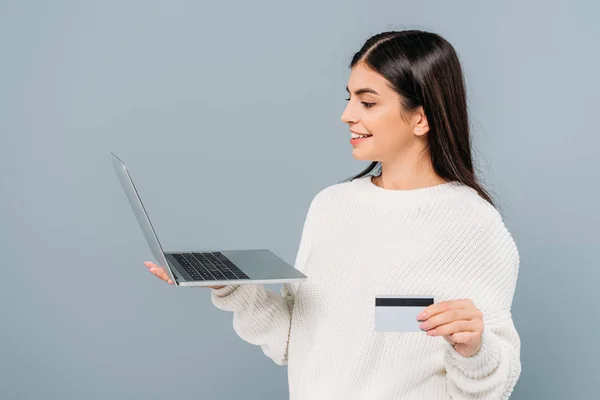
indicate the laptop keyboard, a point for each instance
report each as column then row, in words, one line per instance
column 209, row 266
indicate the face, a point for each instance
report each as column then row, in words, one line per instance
column 374, row 109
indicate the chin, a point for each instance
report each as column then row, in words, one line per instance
column 362, row 155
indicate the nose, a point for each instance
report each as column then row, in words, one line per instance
column 347, row 116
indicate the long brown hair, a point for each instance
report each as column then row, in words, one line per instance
column 424, row 69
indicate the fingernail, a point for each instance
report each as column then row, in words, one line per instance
column 431, row 332
column 421, row 316
column 423, row 325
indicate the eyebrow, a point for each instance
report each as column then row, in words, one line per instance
column 363, row 90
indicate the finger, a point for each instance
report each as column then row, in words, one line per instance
column 451, row 315
column 442, row 306
column 163, row 275
column 158, row 272
column 452, row 328
column 151, row 265
column 449, row 339
column 463, row 337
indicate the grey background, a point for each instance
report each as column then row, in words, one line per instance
column 228, row 117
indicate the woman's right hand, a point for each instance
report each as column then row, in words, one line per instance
column 160, row 273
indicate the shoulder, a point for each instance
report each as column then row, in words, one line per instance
column 476, row 209
column 327, row 198
column 484, row 226
column 328, row 194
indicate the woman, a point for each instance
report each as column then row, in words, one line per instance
column 422, row 226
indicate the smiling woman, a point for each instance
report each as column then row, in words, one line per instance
column 407, row 91
column 422, row 227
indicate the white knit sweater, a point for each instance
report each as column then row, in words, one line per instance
column 360, row 240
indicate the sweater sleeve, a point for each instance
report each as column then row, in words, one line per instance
column 492, row 373
column 263, row 317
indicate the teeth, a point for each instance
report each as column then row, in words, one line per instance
column 355, row 136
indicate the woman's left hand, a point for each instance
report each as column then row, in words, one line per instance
column 458, row 321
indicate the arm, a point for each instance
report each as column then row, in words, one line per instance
column 493, row 371
column 263, row 317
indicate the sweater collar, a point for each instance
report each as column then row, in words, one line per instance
column 409, row 196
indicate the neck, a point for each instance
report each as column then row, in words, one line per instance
column 406, row 173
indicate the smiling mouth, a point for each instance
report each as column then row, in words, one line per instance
column 357, row 136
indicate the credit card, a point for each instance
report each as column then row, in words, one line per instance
column 395, row 313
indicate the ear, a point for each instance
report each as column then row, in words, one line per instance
column 420, row 124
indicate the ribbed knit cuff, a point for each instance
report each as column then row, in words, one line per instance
column 483, row 363
column 224, row 291
column 238, row 297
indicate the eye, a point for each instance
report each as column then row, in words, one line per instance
column 365, row 104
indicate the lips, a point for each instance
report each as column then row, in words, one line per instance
column 356, row 135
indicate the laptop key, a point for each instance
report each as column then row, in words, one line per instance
column 207, row 276
column 226, row 263
column 235, row 269
column 188, row 267
column 196, row 272
column 216, row 265
column 212, row 264
column 203, row 261
column 200, row 266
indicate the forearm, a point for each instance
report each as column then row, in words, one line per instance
column 491, row 373
column 263, row 317
column 260, row 316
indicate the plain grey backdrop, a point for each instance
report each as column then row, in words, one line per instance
column 228, row 116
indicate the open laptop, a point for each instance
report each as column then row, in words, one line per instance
column 207, row 267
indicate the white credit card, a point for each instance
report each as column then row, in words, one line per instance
column 395, row 313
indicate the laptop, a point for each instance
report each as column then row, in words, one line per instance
column 206, row 267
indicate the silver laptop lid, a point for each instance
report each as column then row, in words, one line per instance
column 140, row 213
